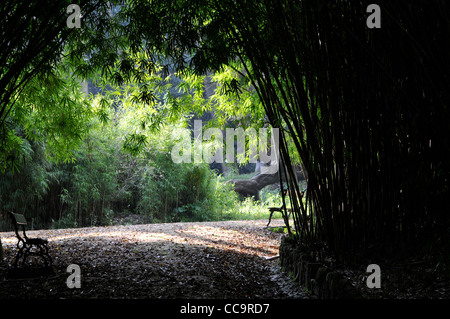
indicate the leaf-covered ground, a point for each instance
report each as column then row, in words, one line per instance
column 179, row 260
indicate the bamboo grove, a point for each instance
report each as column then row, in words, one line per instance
column 367, row 112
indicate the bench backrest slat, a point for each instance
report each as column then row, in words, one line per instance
column 20, row 219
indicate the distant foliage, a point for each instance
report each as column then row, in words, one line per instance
column 106, row 179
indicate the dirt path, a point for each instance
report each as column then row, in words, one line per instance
column 179, row 260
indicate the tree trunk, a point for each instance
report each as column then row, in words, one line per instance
column 251, row 187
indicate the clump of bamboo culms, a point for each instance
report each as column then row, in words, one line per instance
column 366, row 109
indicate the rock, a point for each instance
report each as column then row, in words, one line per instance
column 322, row 281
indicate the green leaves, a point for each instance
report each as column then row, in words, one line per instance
column 135, row 143
column 144, row 95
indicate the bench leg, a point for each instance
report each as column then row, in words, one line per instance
column 25, row 251
column 18, row 256
column 270, row 218
column 45, row 255
column 22, row 255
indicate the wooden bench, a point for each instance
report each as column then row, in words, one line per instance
column 282, row 210
column 25, row 245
